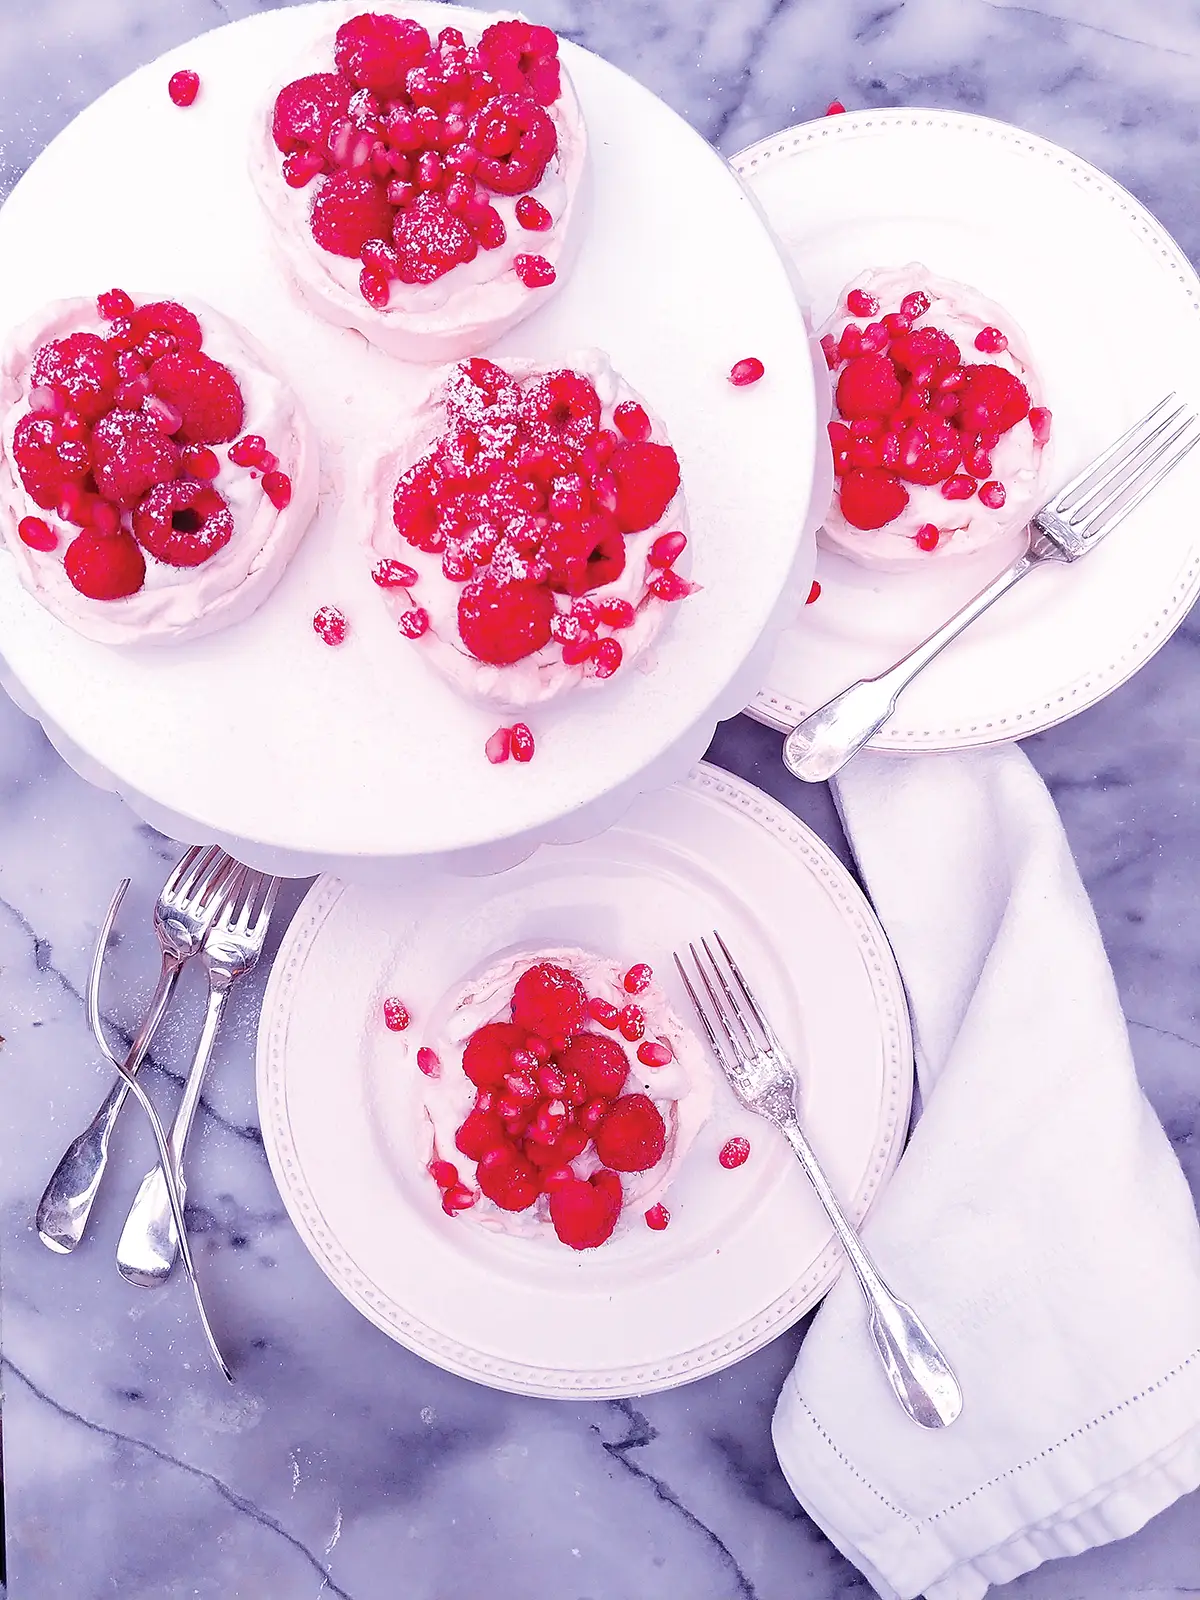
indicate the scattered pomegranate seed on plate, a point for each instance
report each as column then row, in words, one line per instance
column 395, row 1014
column 638, row 978
column 277, row 487
column 658, row 1217
column 814, row 593
column 38, row 535
column 734, row 1152
column 522, row 745
column 861, row 304
column 532, row 214
column 330, row 626
column 928, row 536
column 499, row 746
column 443, row 1173
column 655, row 1053
column 429, row 1062
column 414, row 623
column 991, row 341
column 184, row 87
column 535, row 272
column 747, row 371
column 835, row 108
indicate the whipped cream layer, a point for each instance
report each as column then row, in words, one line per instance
column 467, row 308
column 682, row 1090
column 174, row 602
column 1019, row 462
column 544, row 674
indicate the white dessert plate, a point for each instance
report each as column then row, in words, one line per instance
column 1112, row 310
column 300, row 757
column 747, row 1251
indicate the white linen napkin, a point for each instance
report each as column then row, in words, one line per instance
column 1038, row 1221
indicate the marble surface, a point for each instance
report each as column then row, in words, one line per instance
column 340, row 1465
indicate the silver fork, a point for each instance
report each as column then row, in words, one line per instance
column 190, row 899
column 764, row 1080
column 149, row 1240
column 1082, row 514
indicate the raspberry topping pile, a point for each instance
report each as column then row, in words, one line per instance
column 912, row 408
column 549, row 1090
column 116, row 444
column 411, row 137
column 529, row 500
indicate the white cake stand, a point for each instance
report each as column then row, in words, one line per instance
column 357, row 760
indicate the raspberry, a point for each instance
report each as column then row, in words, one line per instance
column 105, row 566
column 502, row 623
column 633, row 1135
column 734, row 1152
column 205, row 393
column 599, row 1061
column 183, row 87
column 532, row 214
column 585, row 1211
column 561, row 405
column 868, row 387
column 480, row 1132
column 516, row 141
column 549, row 1001
column 183, row 524
column 377, row 52
column 522, row 58
column 647, row 480
column 395, row 1014
column 871, row 498
column 166, row 316
column 584, row 554
column 535, row 272
column 509, row 1179
column 131, row 455
column 991, row 400
column 307, row 109
column 82, row 368
column 47, row 459
column 487, row 1059
column 925, row 353
column 430, row 239
column 114, row 303
column 929, row 450
column 348, row 209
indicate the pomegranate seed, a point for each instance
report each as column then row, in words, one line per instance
column 606, row 658
column 593, row 1113
column 616, row 613
column 874, row 338
column 166, row 417
column 401, row 193
column 603, row 1012
column 277, row 487
column 747, row 371
column 522, row 742
column 183, row 87
column 977, row 461
column 458, row 1198
column 556, row 1178
column 734, row 1152
column 946, row 404
column 105, row 518
column 532, row 214
column 114, row 303
column 413, row 623
column 655, row 1053
column 374, row 288
column 914, row 305
column 329, row 624
column 389, row 574
column 576, row 651
column 850, row 344
column 670, row 586
column 927, row 536
column 814, row 593
column 991, row 341
column 666, row 549
column 428, row 1062
column 395, row 1014
column 1039, row 421
column 631, row 422
column 300, row 167
column 861, row 304
column 632, row 1023
column 248, row 451
column 574, row 1089
column 638, row 978
column 550, row 1081
column 38, row 535
column 535, row 272
column 897, row 323
column 443, row 1173
column 829, row 346
column 958, row 488
column 201, row 462
column 835, row 108
column 498, row 747
column 992, row 495
column 657, row 1217
column 521, row 1086
column 380, row 256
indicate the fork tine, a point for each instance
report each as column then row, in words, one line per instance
column 718, row 1048
column 247, row 894
column 751, row 1041
column 220, row 878
column 1145, row 486
column 1065, row 500
column 1132, row 476
column 719, row 1010
column 759, row 1015
column 259, row 928
column 179, row 885
column 1101, row 474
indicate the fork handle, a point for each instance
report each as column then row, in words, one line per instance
column 917, row 1370
column 823, row 743
column 64, row 1208
column 149, row 1243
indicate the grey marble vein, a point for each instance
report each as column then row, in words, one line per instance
column 341, row 1465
